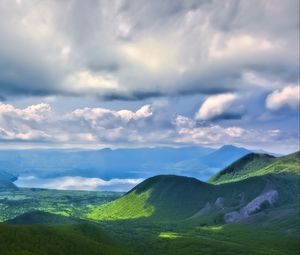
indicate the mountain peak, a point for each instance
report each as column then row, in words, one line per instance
column 163, row 181
column 256, row 164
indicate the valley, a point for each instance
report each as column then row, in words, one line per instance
column 250, row 207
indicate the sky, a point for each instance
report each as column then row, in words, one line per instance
column 94, row 74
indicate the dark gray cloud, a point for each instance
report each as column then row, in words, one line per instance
column 133, row 50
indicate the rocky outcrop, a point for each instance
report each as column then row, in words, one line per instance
column 254, row 206
column 205, row 210
column 220, row 203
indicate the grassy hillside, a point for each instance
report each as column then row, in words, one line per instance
column 132, row 206
column 40, row 217
column 170, row 198
column 285, row 164
column 60, row 240
column 161, row 197
column 257, row 165
column 182, row 238
column 146, row 238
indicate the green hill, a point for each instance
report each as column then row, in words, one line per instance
column 251, row 184
column 172, row 198
column 40, row 217
column 162, row 196
column 43, row 239
column 255, row 164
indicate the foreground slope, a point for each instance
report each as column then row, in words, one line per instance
column 43, row 239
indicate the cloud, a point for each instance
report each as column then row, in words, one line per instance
column 150, row 125
column 140, row 49
column 77, row 183
column 289, row 97
column 218, row 107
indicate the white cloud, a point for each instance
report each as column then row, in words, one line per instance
column 77, row 183
column 150, row 125
column 289, row 96
column 242, row 45
column 215, row 106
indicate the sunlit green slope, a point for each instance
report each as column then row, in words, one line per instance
column 162, row 197
column 169, row 197
column 257, row 165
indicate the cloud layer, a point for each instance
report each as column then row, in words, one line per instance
column 239, row 58
column 78, row 183
column 138, row 49
column 151, row 125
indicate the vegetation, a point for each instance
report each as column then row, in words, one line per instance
column 58, row 239
column 161, row 197
column 166, row 214
column 127, row 207
column 172, row 198
column 40, row 217
column 181, row 238
column 62, row 202
column 257, row 165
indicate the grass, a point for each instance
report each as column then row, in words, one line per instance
column 254, row 164
column 61, row 202
column 169, row 235
column 60, row 240
column 181, row 238
column 155, row 216
column 131, row 206
column 173, row 198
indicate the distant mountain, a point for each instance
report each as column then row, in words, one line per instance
column 224, row 156
column 107, row 164
column 6, row 181
column 255, row 164
column 169, row 197
column 7, row 185
column 5, row 176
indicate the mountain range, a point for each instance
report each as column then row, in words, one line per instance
column 200, row 162
column 249, row 186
